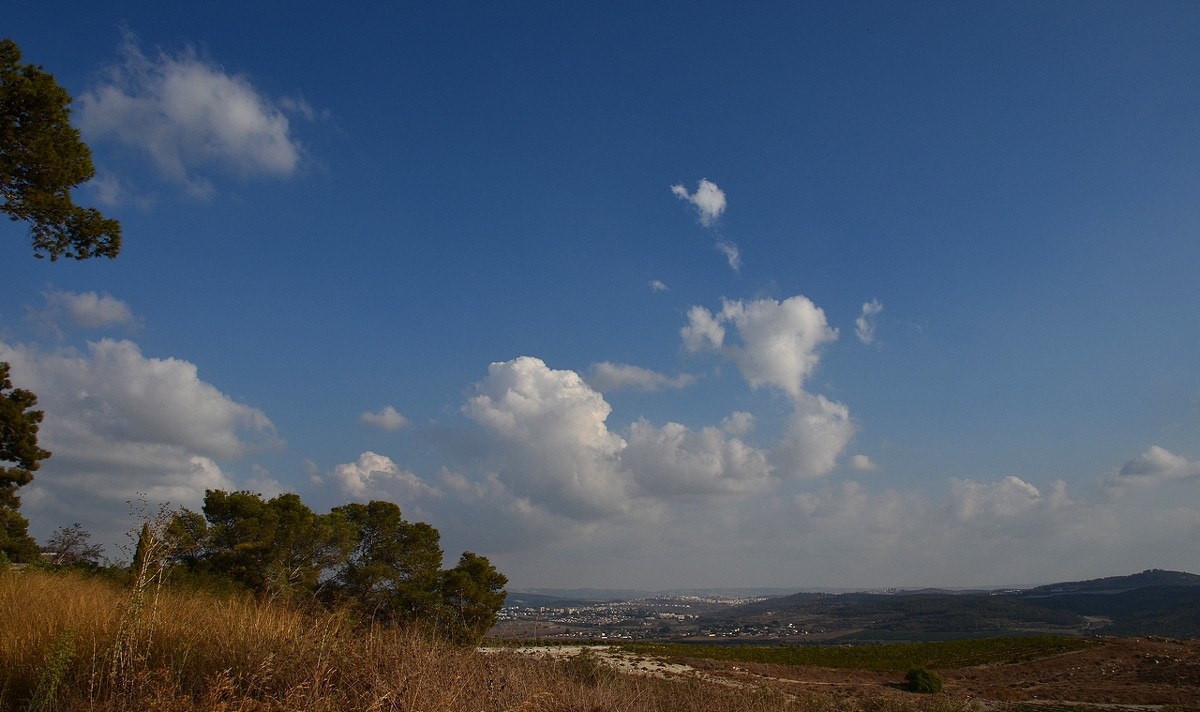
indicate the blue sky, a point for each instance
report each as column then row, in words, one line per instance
column 622, row 295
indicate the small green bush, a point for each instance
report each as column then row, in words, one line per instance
column 922, row 679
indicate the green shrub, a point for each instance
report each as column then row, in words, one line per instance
column 922, row 679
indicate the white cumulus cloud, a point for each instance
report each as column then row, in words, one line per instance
column 709, row 200
column 550, row 441
column 703, row 330
column 817, row 432
column 556, row 484
column 187, row 113
column 113, row 393
column 674, row 460
column 739, row 423
column 376, row 476
column 120, row 423
column 779, row 347
column 386, row 418
column 780, row 340
column 549, row 447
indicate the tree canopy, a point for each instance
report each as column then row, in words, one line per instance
column 72, row 546
column 278, row 548
column 365, row 558
column 42, row 157
column 394, row 571
column 20, row 457
column 472, row 592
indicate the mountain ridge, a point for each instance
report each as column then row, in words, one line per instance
column 628, row 594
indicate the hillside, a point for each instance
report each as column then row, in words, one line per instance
column 1153, row 602
column 925, row 612
column 1149, row 603
column 1150, row 578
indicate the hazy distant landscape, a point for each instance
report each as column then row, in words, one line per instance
column 1114, row 643
column 1153, row 602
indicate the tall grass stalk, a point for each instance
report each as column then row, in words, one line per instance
column 139, row 618
column 61, row 655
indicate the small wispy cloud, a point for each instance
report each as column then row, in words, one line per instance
column 866, row 323
column 657, row 285
column 186, row 113
column 91, row 310
column 607, row 376
column 88, row 310
column 107, row 189
column 386, row 418
column 862, row 463
column 1006, row 499
column 1154, row 467
column 709, row 200
column 733, row 255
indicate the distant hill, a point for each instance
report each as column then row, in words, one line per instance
column 907, row 613
column 567, row 596
column 561, row 596
column 1149, row 578
column 1153, row 602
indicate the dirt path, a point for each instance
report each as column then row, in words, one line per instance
column 620, row 660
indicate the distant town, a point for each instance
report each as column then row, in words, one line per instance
column 657, row 617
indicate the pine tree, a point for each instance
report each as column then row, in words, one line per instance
column 18, row 445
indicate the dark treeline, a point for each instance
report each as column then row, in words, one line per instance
column 365, row 558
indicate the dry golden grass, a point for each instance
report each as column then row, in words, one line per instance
column 71, row 643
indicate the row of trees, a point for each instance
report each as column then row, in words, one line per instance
column 365, row 557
